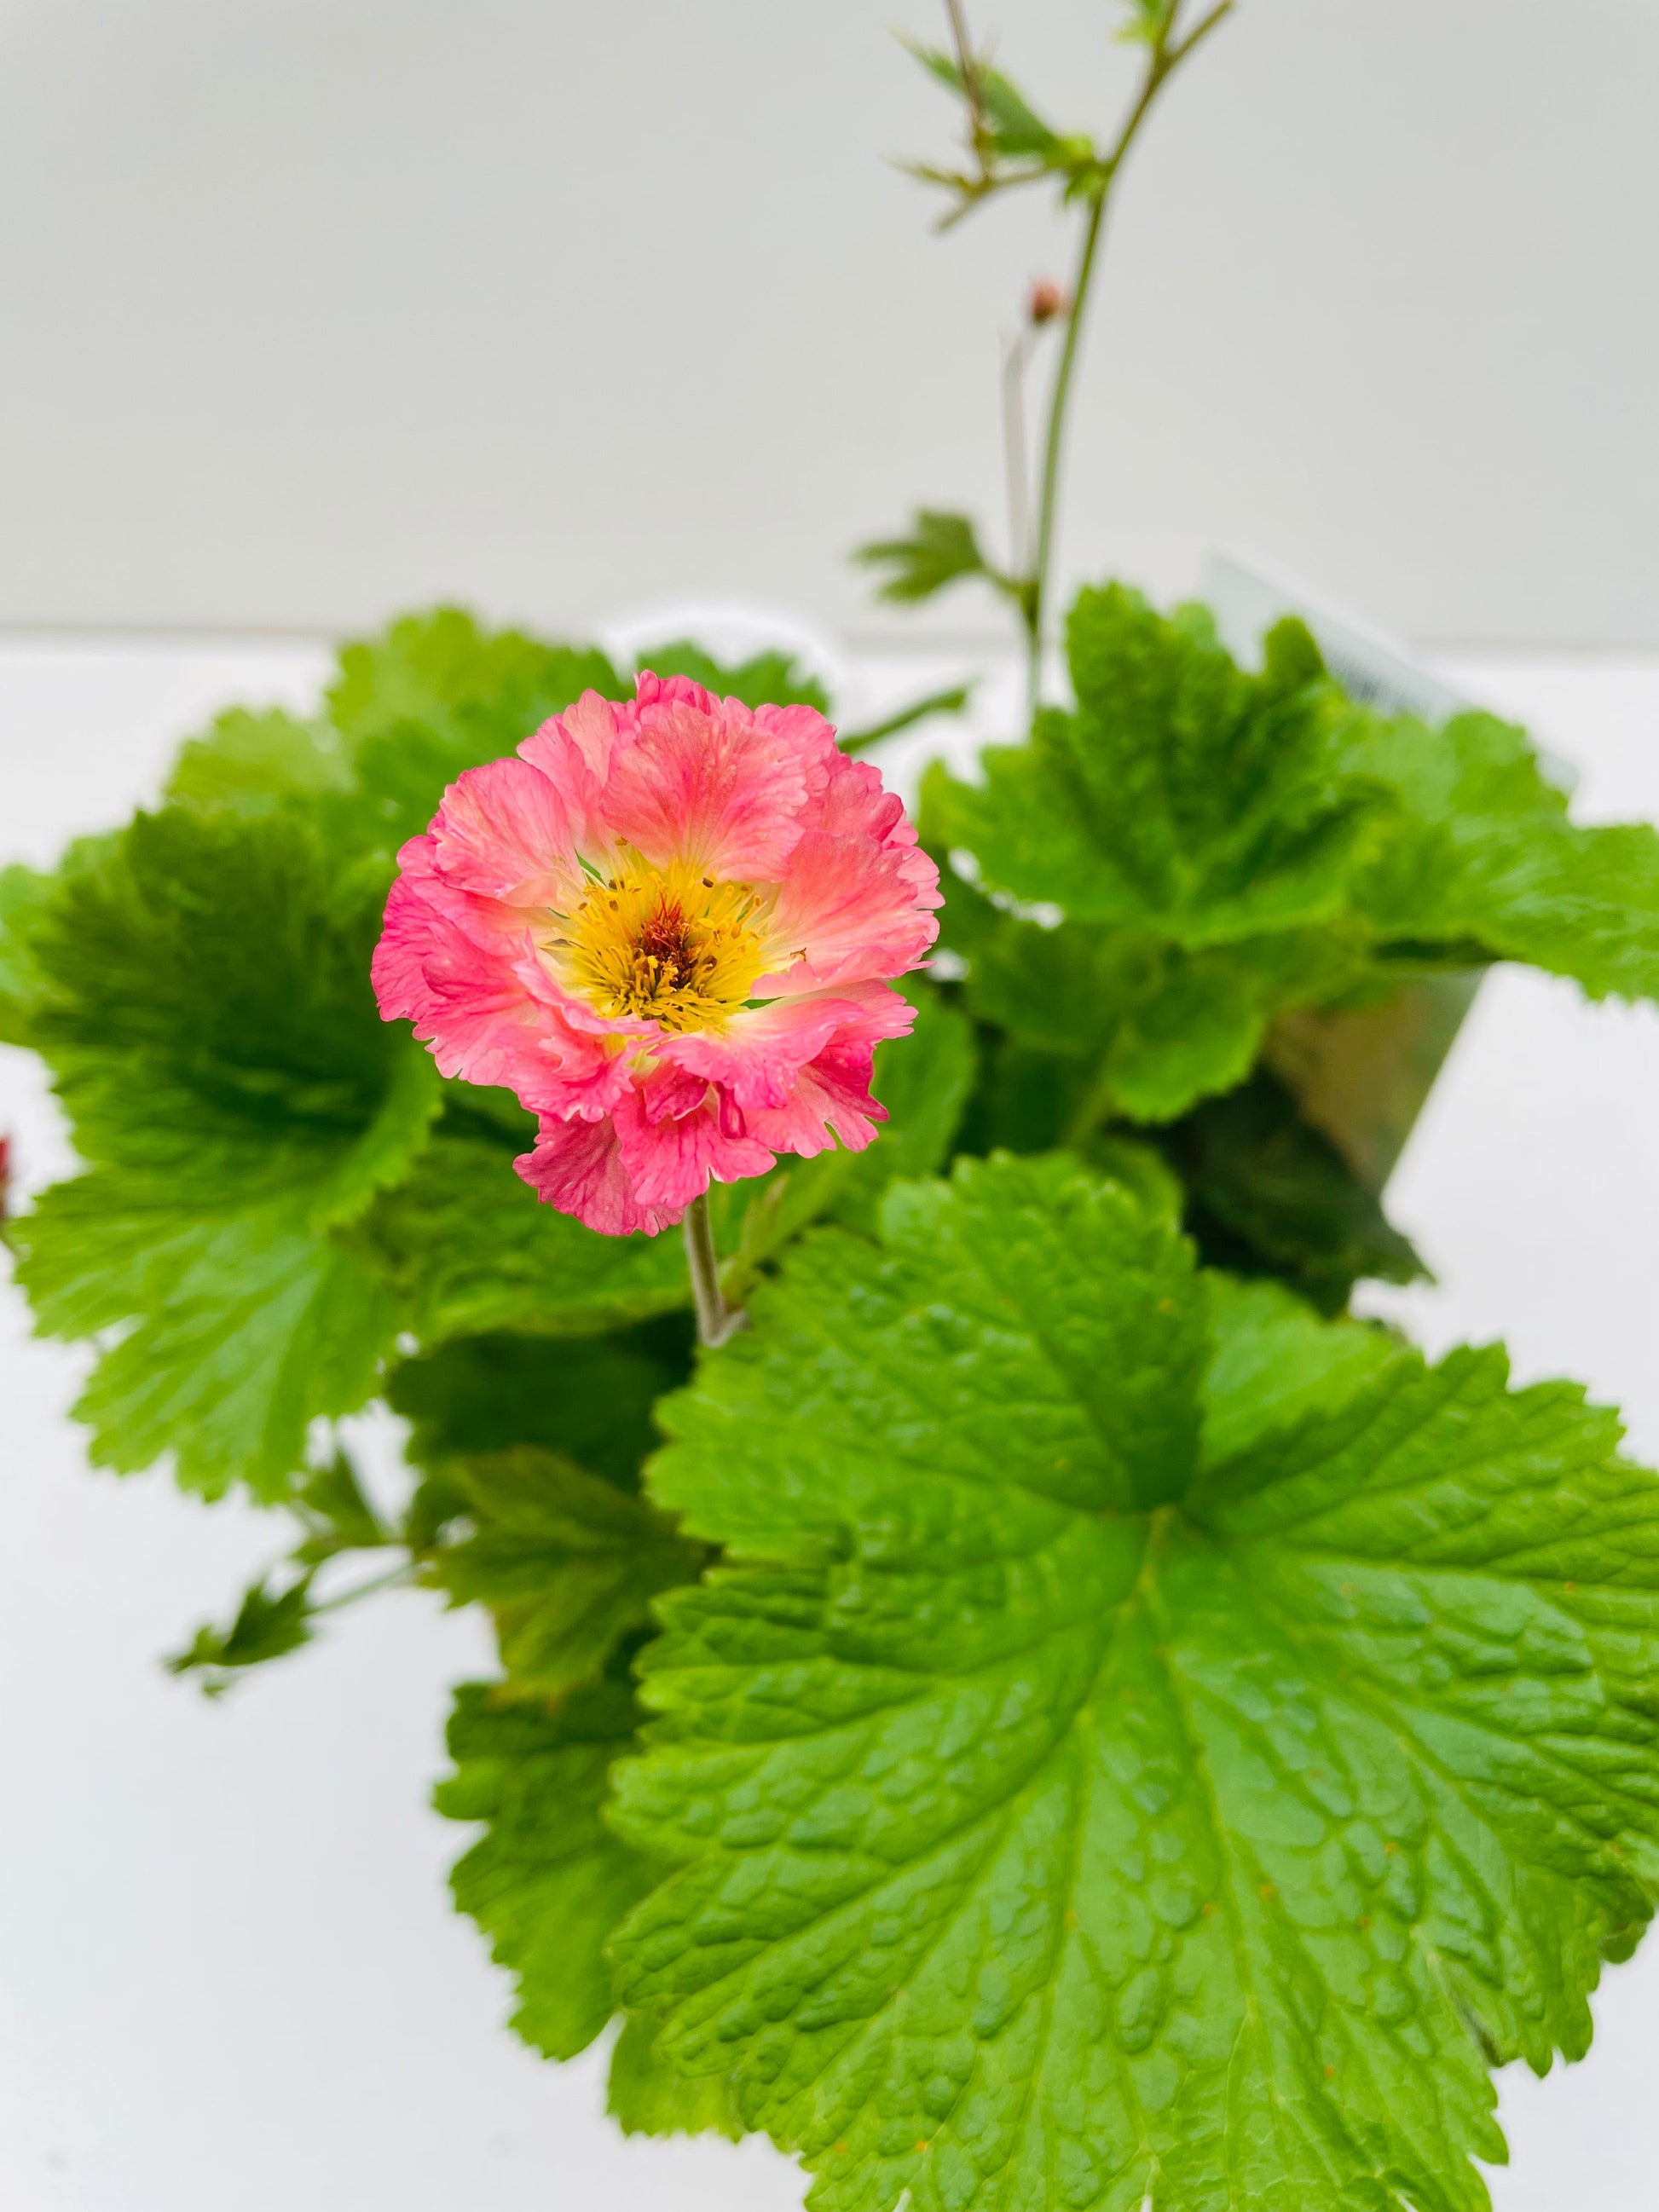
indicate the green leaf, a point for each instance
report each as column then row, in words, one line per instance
column 335, row 1514
column 940, row 551
column 436, row 695
column 1274, row 1363
column 1269, row 1194
column 773, row 678
column 203, row 999
column 1155, row 876
column 467, row 1244
column 566, row 1563
column 646, row 2097
column 1036, row 1848
column 1148, row 20
column 256, row 760
column 590, row 1397
column 23, row 894
column 1184, row 798
column 1014, row 128
column 269, row 1625
column 548, row 1881
column 242, row 1327
column 1485, row 857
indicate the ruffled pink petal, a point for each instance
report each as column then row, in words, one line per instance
column 573, row 750
column 672, row 1161
column 506, row 831
column 832, row 1094
column 705, row 780
column 469, row 998
column 758, row 1058
column 578, row 1166
column 847, row 912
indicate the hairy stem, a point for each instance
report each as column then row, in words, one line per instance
column 716, row 1321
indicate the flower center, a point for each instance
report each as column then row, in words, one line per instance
column 666, row 945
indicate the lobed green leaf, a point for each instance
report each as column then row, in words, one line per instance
column 1095, row 1780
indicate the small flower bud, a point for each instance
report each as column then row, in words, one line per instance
column 1047, row 302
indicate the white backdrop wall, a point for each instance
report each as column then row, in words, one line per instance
column 314, row 308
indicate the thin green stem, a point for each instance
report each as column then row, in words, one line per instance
column 389, row 1581
column 1165, row 57
column 1037, row 604
column 716, row 1321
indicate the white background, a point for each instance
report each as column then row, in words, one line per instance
column 229, row 1979
column 313, row 307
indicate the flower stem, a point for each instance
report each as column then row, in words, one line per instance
column 716, row 1321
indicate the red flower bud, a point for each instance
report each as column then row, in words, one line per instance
column 1047, row 302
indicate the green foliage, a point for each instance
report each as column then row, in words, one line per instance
column 1148, row 22
column 202, row 995
column 1485, row 858
column 1009, row 141
column 548, row 1881
column 1102, row 1701
column 1014, row 127
column 646, row 2097
column 1133, row 1709
column 590, row 1397
column 438, row 695
column 1267, row 1195
column 335, row 1515
column 258, row 762
column 566, row 1563
column 1193, row 850
column 940, row 549
column 467, row 1244
column 23, row 895
column 269, row 1624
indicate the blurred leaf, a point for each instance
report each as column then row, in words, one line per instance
column 589, row 1396
column 774, row 679
column 435, row 695
column 1013, row 128
column 941, row 549
column 464, row 1242
column 566, row 1563
column 1148, row 20
column 1485, row 857
column 267, row 1625
column 1269, row 1195
column 255, row 761
column 646, row 2097
column 335, row 1514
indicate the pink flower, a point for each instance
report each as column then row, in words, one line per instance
column 668, row 926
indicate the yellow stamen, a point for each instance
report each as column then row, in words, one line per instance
column 669, row 945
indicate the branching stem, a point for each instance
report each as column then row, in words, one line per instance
column 1166, row 56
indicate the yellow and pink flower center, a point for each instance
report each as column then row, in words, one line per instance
column 666, row 945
